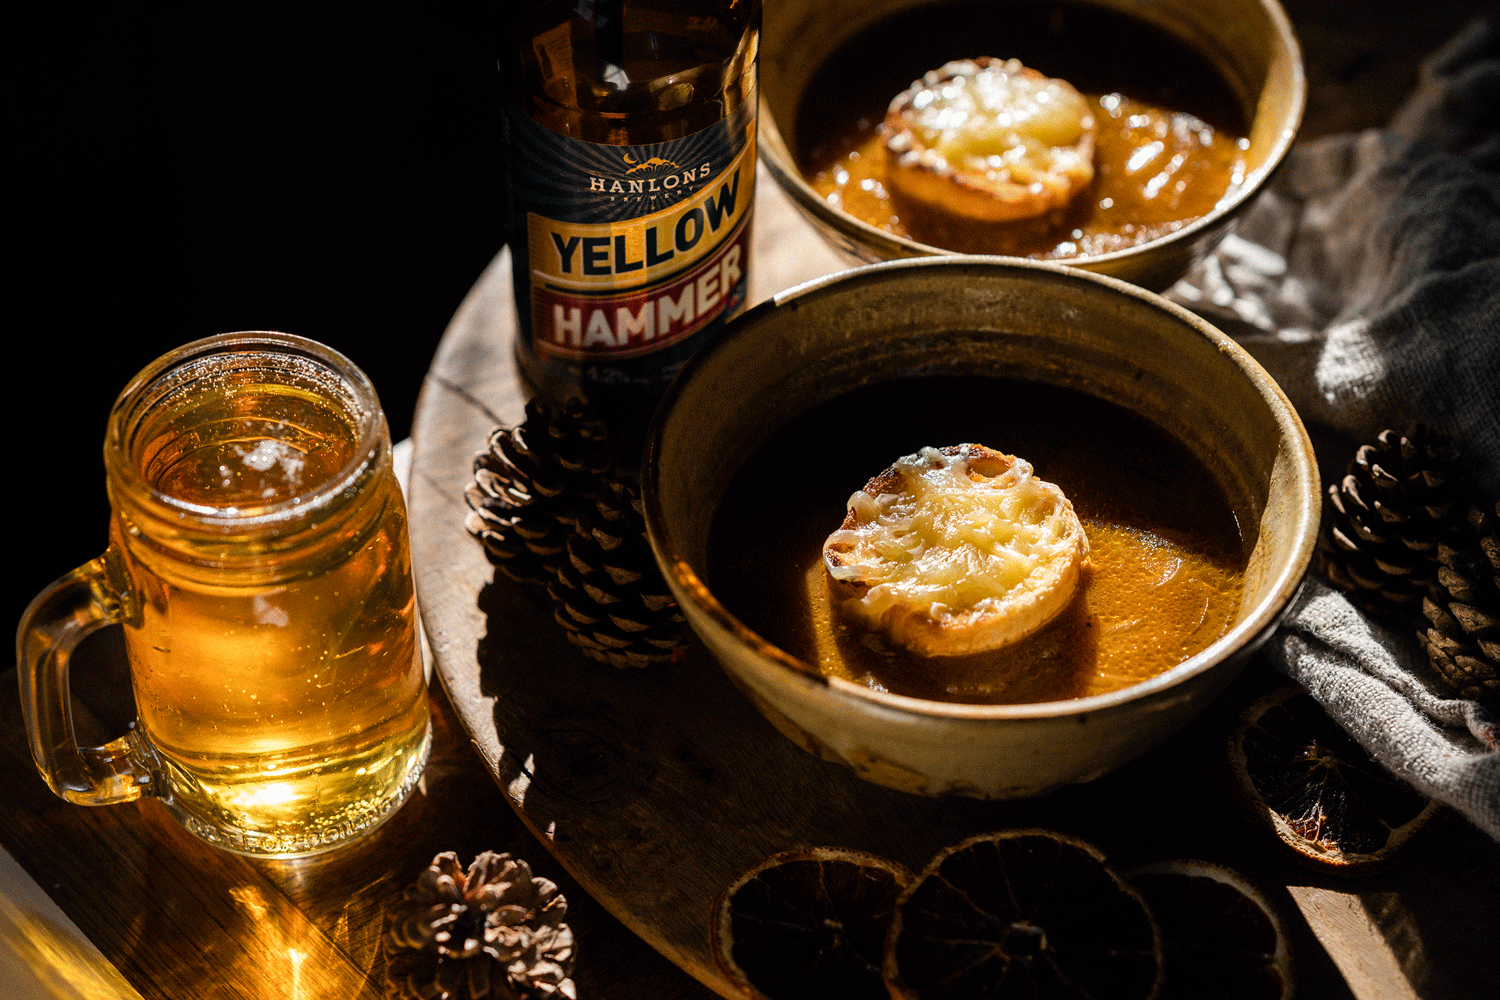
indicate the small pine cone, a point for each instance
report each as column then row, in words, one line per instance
column 1402, row 497
column 531, row 485
column 610, row 596
column 1463, row 607
column 496, row 931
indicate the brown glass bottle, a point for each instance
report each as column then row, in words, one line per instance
column 630, row 150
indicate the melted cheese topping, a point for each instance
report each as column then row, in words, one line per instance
column 1001, row 122
column 953, row 542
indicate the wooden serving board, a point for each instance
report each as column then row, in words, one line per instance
column 655, row 788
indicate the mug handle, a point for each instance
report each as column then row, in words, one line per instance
column 56, row 621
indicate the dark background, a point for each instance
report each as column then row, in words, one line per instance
column 327, row 169
column 331, row 169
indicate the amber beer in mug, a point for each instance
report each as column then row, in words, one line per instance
column 258, row 560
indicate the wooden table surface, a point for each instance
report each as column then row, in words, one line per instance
column 179, row 919
column 655, row 788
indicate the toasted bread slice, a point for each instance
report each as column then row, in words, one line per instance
column 988, row 140
column 956, row 550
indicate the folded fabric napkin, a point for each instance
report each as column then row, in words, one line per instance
column 1366, row 280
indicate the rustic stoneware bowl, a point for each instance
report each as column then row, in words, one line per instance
column 964, row 315
column 1250, row 42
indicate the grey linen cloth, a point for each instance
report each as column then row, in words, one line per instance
column 1366, row 280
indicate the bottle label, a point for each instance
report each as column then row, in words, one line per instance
column 632, row 249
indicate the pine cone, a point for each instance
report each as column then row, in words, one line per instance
column 1403, row 497
column 548, row 510
column 530, row 487
column 610, row 596
column 1463, row 606
column 496, row 932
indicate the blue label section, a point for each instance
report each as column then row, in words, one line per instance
column 585, row 182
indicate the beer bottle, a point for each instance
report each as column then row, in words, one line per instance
column 630, row 149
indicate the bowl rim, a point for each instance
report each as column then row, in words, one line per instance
column 783, row 169
column 689, row 588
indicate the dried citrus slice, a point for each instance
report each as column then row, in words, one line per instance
column 808, row 924
column 1022, row 914
column 1299, row 773
column 1221, row 937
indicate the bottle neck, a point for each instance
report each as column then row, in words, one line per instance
column 630, row 72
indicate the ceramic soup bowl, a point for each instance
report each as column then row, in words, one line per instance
column 956, row 315
column 1248, row 45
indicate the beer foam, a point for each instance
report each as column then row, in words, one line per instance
column 268, row 454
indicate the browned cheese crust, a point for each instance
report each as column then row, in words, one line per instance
column 1047, row 592
column 920, row 173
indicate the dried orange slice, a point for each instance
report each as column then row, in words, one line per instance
column 808, row 924
column 1022, row 914
column 1221, row 937
column 1317, row 789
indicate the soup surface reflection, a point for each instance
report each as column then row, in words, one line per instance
column 1167, row 555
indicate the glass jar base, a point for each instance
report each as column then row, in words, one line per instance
column 287, row 846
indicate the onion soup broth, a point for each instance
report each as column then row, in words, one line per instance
column 1167, row 554
column 1170, row 139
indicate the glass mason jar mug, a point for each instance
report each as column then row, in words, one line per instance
column 259, row 562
